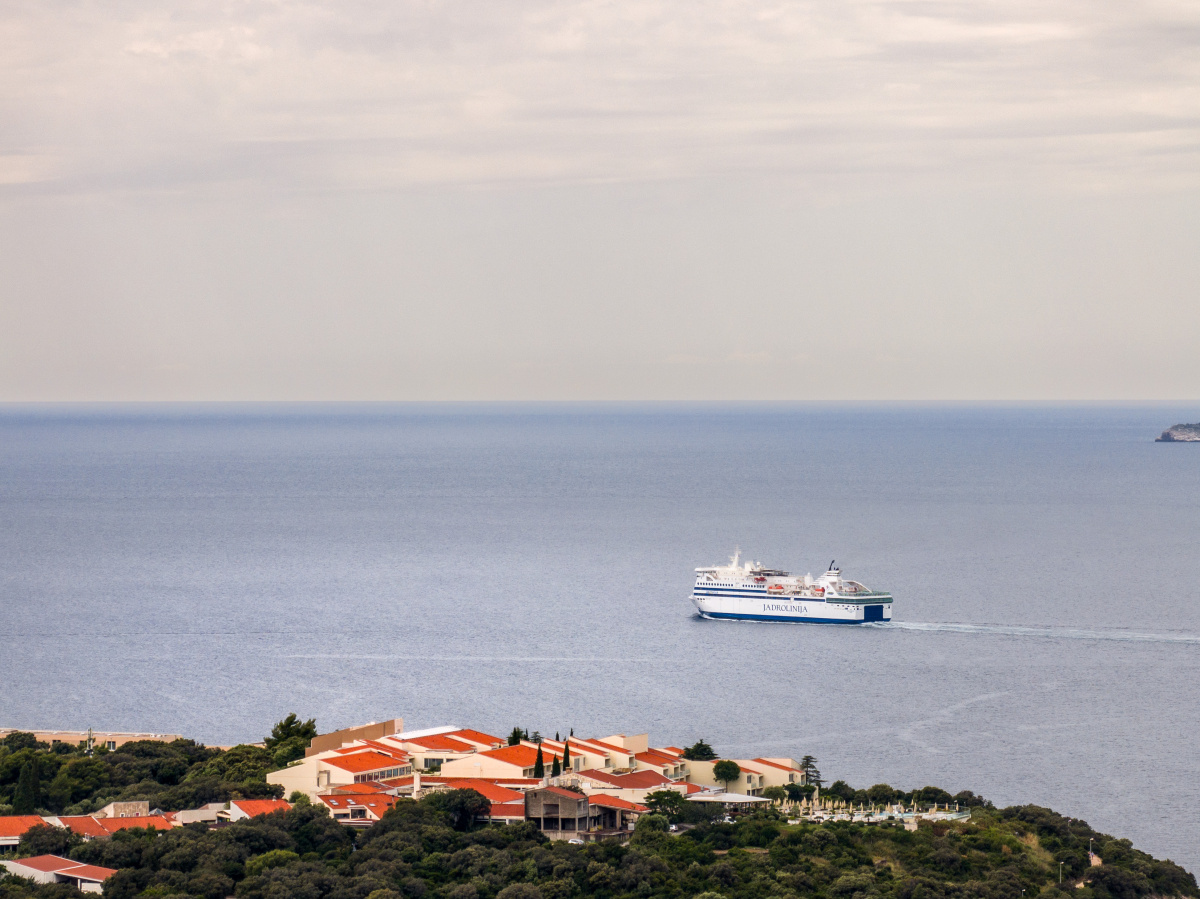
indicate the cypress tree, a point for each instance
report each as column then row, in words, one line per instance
column 25, row 797
column 555, row 770
column 567, row 756
column 539, row 767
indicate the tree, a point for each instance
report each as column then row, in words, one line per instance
column 567, row 756
column 539, row 766
column 463, row 806
column 775, row 794
column 289, row 738
column 28, row 791
column 47, row 840
column 882, row 794
column 809, row 773
column 19, row 739
column 517, row 736
column 699, row 752
column 668, row 803
column 555, row 769
column 726, row 771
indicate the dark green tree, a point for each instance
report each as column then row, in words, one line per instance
column 289, row 738
column 19, row 739
column 809, row 773
column 555, row 768
column 668, row 803
column 775, row 794
column 29, row 789
column 47, row 840
column 516, row 736
column 539, row 766
column 463, row 806
column 566, row 763
column 726, row 771
column 699, row 752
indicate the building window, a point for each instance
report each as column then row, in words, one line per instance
column 111, row 744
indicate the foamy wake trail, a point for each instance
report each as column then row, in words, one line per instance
column 1053, row 633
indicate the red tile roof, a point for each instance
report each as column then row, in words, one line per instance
column 84, row 825
column 256, row 807
column 635, row 780
column 441, row 743
column 359, row 762
column 90, row 872
column 16, row 825
column 378, row 803
column 368, row 787
column 477, row 736
column 112, row 825
column 653, row 757
column 615, row 802
column 491, row 792
column 776, row 765
column 372, row 746
column 569, row 794
column 46, row 862
column 520, row 755
column 508, row 810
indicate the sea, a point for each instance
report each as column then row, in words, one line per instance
column 207, row 569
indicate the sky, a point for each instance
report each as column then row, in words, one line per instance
column 836, row 200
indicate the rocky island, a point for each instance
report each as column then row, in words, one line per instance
column 1180, row 434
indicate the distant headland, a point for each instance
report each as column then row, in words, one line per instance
column 1180, row 434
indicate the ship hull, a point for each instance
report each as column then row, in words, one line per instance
column 802, row 610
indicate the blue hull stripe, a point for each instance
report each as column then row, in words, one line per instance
column 795, row 618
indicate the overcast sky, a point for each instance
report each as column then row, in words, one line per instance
column 523, row 199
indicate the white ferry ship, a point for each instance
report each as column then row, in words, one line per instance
column 751, row 592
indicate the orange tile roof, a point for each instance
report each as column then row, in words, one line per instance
column 59, row 865
column 635, row 780
column 569, row 794
column 508, row 810
column 16, row 825
column 84, row 825
column 112, row 825
column 616, row 802
column 776, row 765
column 371, row 745
column 90, row 872
column 520, row 755
column 674, row 750
column 657, row 758
column 491, row 792
column 256, row 807
column 367, row 760
column 46, row 862
column 378, row 803
column 441, row 743
column 477, row 736
column 368, row 787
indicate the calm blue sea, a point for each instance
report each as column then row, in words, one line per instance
column 206, row 570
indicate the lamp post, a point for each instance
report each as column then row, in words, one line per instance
column 1060, row 864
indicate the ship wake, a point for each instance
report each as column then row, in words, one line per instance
column 1049, row 633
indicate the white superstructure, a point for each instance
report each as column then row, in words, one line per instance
column 752, row 592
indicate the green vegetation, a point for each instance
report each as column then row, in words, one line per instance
column 699, row 752
column 432, row 849
column 289, row 738
column 539, row 764
column 36, row 778
column 727, row 772
column 809, row 774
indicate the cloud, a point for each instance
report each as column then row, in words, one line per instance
column 368, row 95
